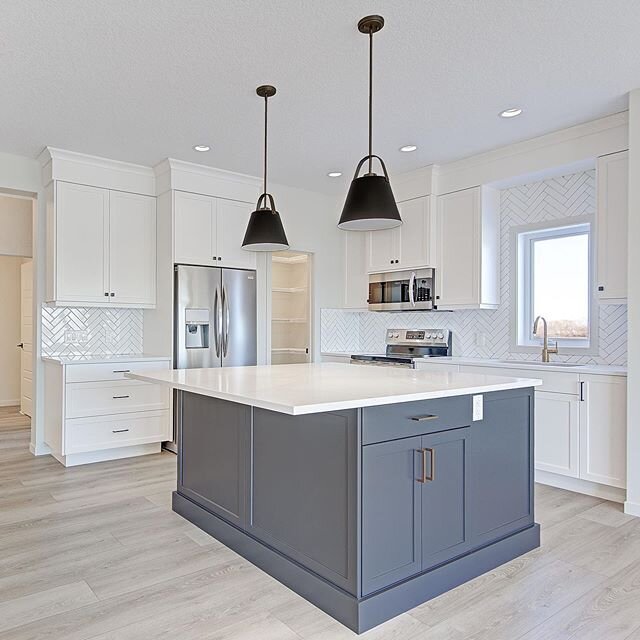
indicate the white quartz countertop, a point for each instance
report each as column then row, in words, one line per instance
column 298, row 389
column 105, row 358
column 596, row 369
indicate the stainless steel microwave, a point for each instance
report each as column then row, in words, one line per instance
column 411, row 290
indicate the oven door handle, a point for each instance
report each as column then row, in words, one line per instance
column 412, row 284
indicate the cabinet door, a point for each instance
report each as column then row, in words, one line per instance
column 82, row 227
column 500, row 466
column 444, row 495
column 213, row 466
column 612, row 223
column 384, row 250
column 195, row 229
column 132, row 249
column 356, row 281
column 458, row 248
column 603, row 430
column 390, row 512
column 415, row 233
column 231, row 226
column 557, row 433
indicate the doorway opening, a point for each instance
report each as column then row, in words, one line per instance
column 16, row 311
column 290, row 307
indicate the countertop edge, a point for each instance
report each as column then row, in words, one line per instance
column 63, row 361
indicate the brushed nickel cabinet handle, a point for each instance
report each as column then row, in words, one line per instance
column 119, row 430
column 424, row 478
column 429, row 416
column 120, row 397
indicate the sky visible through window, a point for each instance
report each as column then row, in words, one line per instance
column 561, row 284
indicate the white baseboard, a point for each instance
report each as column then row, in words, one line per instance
column 10, row 403
column 632, row 508
column 582, row 486
column 41, row 450
column 117, row 453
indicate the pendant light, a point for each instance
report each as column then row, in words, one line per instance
column 370, row 204
column 265, row 231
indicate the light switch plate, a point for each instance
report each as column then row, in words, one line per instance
column 478, row 408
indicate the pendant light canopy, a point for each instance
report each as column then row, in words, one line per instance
column 370, row 204
column 265, row 231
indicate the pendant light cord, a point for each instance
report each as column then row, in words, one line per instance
column 370, row 98
column 264, row 190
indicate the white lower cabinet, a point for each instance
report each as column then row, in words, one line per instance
column 93, row 413
column 580, row 424
column 603, row 430
column 556, row 433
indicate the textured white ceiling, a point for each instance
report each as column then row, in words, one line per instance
column 140, row 80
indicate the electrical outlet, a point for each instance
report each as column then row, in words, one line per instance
column 481, row 339
column 83, row 336
column 478, row 408
column 70, row 337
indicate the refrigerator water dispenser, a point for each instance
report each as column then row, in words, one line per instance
column 196, row 334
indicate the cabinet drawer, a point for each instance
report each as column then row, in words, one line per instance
column 107, row 432
column 102, row 398
column 393, row 421
column 552, row 381
column 95, row 372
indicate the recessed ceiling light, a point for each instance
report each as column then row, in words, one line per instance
column 511, row 113
column 202, row 147
column 408, row 147
column 334, row 174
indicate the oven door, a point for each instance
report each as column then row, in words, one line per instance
column 402, row 290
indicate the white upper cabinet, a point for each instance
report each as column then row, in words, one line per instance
column 406, row 246
column 101, row 247
column 233, row 218
column 209, row 231
column 132, row 248
column 78, row 248
column 195, row 229
column 467, row 247
column 612, row 173
column 356, row 280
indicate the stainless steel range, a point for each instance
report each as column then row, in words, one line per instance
column 405, row 346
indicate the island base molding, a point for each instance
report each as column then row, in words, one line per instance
column 363, row 614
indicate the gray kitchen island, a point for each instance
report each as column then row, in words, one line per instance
column 366, row 490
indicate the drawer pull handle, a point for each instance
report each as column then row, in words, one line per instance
column 122, row 371
column 119, row 430
column 432, row 465
column 429, row 416
column 120, row 397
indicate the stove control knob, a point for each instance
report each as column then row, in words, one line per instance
column 396, row 335
column 428, row 336
column 441, row 336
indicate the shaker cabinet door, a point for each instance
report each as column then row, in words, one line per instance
column 195, row 235
column 81, row 254
column 443, row 468
column 132, row 249
column 232, row 221
column 390, row 512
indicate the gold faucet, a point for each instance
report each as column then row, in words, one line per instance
column 545, row 339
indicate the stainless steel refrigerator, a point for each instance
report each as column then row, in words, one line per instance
column 215, row 319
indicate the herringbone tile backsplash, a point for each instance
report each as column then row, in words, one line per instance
column 105, row 331
column 566, row 196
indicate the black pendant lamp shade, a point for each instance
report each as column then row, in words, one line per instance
column 265, row 231
column 370, row 204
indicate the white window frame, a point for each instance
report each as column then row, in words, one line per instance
column 522, row 237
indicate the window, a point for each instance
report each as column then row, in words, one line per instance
column 554, row 281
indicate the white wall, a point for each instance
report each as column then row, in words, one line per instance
column 633, row 309
column 10, row 330
column 22, row 176
column 16, row 234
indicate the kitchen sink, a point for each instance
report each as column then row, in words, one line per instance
column 526, row 363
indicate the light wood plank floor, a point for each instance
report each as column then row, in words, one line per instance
column 95, row 552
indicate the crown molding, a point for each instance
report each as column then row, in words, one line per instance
column 82, row 168
column 564, row 147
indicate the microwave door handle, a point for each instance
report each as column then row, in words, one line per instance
column 412, row 284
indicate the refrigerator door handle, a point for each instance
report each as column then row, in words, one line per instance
column 217, row 321
column 225, row 321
